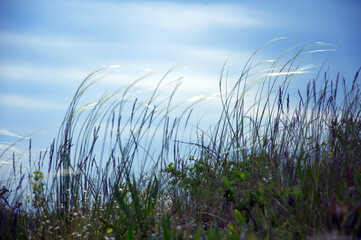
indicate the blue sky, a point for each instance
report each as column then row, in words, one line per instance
column 48, row 47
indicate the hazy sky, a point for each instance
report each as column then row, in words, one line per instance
column 48, row 47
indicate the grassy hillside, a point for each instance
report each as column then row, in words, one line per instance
column 270, row 171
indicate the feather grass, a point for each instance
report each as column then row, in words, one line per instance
column 269, row 169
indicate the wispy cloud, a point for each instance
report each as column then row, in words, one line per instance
column 127, row 22
column 177, row 17
column 193, row 17
column 27, row 103
column 39, row 74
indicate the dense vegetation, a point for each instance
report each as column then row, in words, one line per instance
column 271, row 171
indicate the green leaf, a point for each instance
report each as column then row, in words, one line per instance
column 198, row 234
column 227, row 182
column 239, row 217
column 210, row 233
column 166, row 230
column 234, row 233
column 242, row 176
column 130, row 233
column 217, row 234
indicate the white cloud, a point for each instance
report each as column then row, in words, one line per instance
column 39, row 74
column 46, row 40
column 191, row 17
column 176, row 17
column 194, row 55
column 123, row 20
column 196, row 59
column 22, row 102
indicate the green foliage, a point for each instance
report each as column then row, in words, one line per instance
column 38, row 198
column 195, row 177
column 133, row 210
